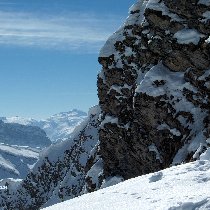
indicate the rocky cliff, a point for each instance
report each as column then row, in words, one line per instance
column 154, row 97
column 154, row 88
column 60, row 172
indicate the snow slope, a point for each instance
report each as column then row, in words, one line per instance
column 57, row 127
column 183, row 187
column 19, row 149
column 16, row 161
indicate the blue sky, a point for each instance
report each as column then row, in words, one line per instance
column 48, row 53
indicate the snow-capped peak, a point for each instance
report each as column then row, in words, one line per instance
column 57, row 127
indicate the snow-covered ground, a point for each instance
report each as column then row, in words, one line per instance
column 16, row 161
column 183, row 187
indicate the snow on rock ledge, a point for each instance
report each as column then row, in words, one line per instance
column 204, row 2
column 187, row 36
column 163, row 57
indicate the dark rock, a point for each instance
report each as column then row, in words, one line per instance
column 157, row 114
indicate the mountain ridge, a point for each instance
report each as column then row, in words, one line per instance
column 23, row 135
column 58, row 126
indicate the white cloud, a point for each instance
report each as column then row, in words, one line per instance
column 78, row 32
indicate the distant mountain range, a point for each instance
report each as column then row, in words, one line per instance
column 58, row 127
column 60, row 171
column 22, row 139
column 23, row 135
column 19, row 149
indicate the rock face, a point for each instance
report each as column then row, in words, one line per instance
column 60, row 172
column 154, row 88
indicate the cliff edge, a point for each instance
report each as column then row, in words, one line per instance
column 154, row 88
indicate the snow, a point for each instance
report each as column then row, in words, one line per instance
column 58, row 148
column 195, row 144
column 187, row 36
column 173, row 84
column 136, row 6
column 108, row 49
column 160, row 6
column 206, row 74
column 19, row 151
column 208, row 40
column 157, row 176
column 180, row 155
column 19, row 120
column 204, row 2
column 16, row 161
column 6, row 164
column 58, row 127
column 97, row 168
column 73, row 172
column 205, row 155
column 206, row 16
column 101, row 75
column 116, row 88
column 13, row 183
column 110, row 181
column 183, row 187
column 174, row 131
column 61, row 126
column 109, row 119
column 199, row 151
column 160, row 72
column 138, row 17
column 208, row 140
column 153, row 148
